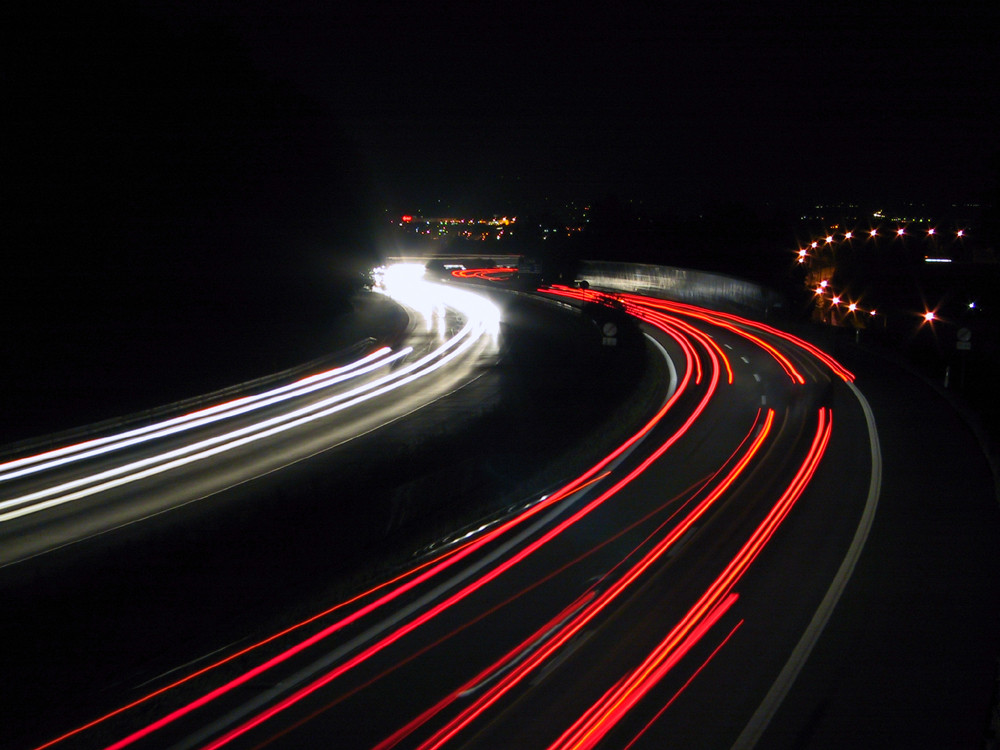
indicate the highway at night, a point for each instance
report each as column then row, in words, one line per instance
column 671, row 594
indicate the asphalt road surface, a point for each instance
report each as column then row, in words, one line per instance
column 768, row 556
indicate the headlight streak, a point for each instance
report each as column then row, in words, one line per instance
column 141, row 469
column 100, row 446
column 517, row 664
column 454, row 598
column 594, row 725
column 441, row 565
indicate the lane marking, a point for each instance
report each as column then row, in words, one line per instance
column 758, row 723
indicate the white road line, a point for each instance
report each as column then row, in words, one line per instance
column 758, row 723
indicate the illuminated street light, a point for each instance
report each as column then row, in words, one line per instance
column 961, row 233
column 929, row 316
column 853, row 307
column 900, row 232
column 829, row 239
column 814, row 245
column 836, row 300
column 848, row 235
column 873, row 233
column 824, row 283
column 930, row 231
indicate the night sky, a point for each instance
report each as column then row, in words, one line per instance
column 190, row 173
column 490, row 111
column 680, row 105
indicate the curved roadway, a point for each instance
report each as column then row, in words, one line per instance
column 669, row 595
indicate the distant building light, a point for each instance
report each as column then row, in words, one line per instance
column 937, row 260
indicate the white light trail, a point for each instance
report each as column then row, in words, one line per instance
column 482, row 321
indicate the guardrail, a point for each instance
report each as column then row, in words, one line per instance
column 713, row 290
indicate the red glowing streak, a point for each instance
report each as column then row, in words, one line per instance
column 684, row 687
column 590, row 728
column 606, row 598
column 395, row 593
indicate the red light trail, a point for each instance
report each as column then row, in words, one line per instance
column 705, row 367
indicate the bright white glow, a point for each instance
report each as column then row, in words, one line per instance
column 482, row 320
column 852, row 307
column 961, row 233
column 829, row 238
column 930, row 316
column 937, row 260
column 824, row 283
column 101, row 446
column 848, row 235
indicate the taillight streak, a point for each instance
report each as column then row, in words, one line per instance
column 714, row 316
column 606, row 598
column 451, row 600
column 590, row 728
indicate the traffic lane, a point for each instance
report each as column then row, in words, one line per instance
column 909, row 657
column 241, row 417
column 78, row 519
column 584, row 536
column 704, row 714
column 255, row 556
column 123, row 592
